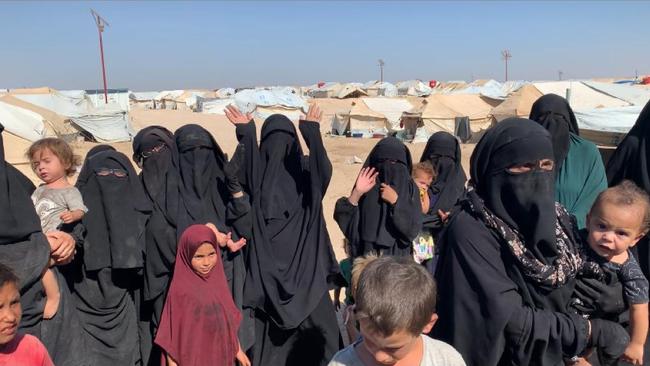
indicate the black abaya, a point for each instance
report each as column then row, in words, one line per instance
column 291, row 261
column 375, row 225
column 443, row 152
column 113, row 256
column 155, row 151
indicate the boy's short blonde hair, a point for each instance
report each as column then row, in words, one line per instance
column 626, row 193
column 358, row 266
column 60, row 149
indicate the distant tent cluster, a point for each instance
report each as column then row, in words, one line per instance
column 32, row 114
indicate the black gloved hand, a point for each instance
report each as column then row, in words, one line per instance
column 609, row 338
column 231, row 170
column 599, row 298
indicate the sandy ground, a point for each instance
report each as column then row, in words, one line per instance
column 341, row 150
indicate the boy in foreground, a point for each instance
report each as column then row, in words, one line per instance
column 395, row 305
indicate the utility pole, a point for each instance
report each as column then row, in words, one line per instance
column 381, row 70
column 101, row 22
column 559, row 75
column 506, row 56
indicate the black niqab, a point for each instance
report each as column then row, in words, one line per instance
column 392, row 159
column 526, row 202
column 203, row 186
column 443, row 152
column 117, row 211
column 555, row 114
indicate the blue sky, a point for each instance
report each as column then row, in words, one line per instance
column 165, row 45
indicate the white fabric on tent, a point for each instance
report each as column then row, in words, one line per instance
column 22, row 122
column 629, row 93
column 617, row 119
column 389, row 107
column 59, row 103
column 107, row 128
column 216, row 106
column 143, row 96
column 582, row 96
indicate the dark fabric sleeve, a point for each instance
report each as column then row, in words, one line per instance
column 239, row 216
column 406, row 215
column 346, row 216
column 320, row 167
column 622, row 159
column 246, row 135
column 481, row 312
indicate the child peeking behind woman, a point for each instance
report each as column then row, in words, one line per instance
column 200, row 321
column 423, row 176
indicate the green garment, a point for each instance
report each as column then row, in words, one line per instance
column 581, row 178
column 346, row 271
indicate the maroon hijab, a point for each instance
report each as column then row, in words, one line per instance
column 200, row 320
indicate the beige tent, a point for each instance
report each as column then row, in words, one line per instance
column 518, row 104
column 439, row 111
column 55, row 124
column 351, row 91
column 360, row 121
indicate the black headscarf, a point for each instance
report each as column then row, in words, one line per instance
column 154, row 149
column 203, row 186
column 18, row 218
column 555, row 114
column 117, row 212
column 631, row 160
column 378, row 225
column 443, row 152
column 85, row 173
column 526, row 202
column 290, row 257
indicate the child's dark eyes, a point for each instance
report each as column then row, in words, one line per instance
column 622, row 233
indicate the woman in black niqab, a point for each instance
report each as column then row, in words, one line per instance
column 443, row 152
column 509, row 259
column 110, row 273
column 378, row 226
column 291, row 262
column 154, row 150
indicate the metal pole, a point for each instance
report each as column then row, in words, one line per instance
column 101, row 51
column 506, row 68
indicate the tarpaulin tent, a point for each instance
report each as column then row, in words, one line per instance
column 415, row 88
column 360, row 121
column 518, row 104
column 582, row 97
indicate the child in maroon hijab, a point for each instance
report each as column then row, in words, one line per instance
column 200, row 320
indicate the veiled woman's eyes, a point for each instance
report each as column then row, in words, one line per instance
column 544, row 164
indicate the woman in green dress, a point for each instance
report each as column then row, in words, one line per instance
column 579, row 166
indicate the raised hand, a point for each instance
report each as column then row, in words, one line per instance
column 235, row 246
column 222, row 239
column 235, row 116
column 314, row 114
column 366, row 179
column 388, row 194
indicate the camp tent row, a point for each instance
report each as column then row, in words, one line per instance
column 35, row 113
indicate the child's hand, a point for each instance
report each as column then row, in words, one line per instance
column 366, row 179
column 71, row 216
column 633, row 354
column 242, row 358
column 235, row 246
column 236, row 117
column 314, row 114
column 222, row 239
column 388, row 194
column 444, row 216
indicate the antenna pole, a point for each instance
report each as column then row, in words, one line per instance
column 100, row 22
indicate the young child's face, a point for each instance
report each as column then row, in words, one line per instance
column 10, row 312
column 48, row 166
column 422, row 179
column 386, row 350
column 614, row 228
column 204, row 259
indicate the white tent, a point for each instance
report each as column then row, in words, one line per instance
column 581, row 96
column 414, row 88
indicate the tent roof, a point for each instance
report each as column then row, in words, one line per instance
column 360, row 109
column 518, row 104
column 582, row 96
column 455, row 105
column 54, row 123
